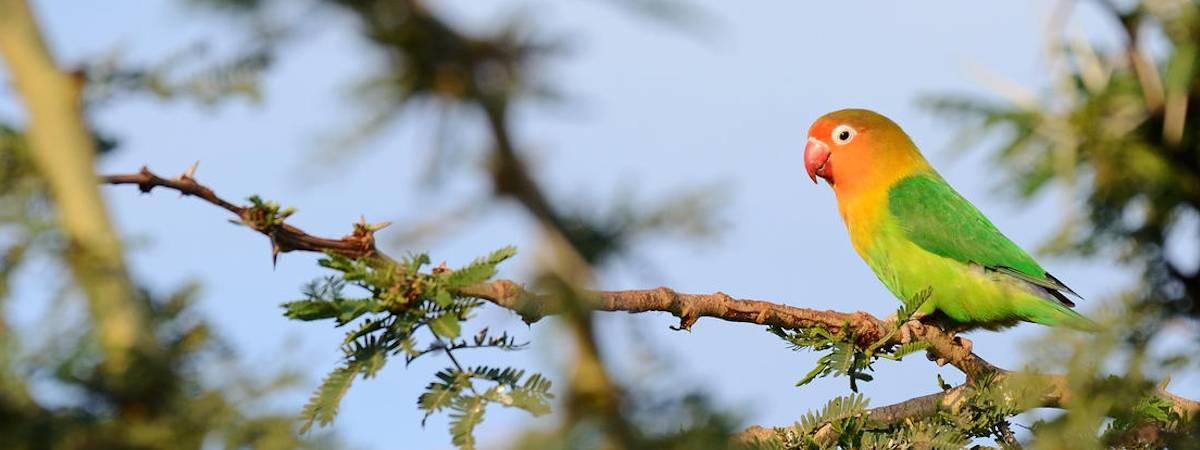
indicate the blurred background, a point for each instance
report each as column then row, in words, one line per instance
column 666, row 135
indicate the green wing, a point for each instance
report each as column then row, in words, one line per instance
column 935, row 217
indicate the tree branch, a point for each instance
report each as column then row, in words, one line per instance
column 687, row 307
column 532, row 307
column 63, row 151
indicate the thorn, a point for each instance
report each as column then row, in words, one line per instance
column 190, row 173
column 379, row 226
column 686, row 322
column 362, row 220
column 274, row 253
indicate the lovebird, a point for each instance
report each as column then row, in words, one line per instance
column 922, row 238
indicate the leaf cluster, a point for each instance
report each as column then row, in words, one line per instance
column 398, row 304
column 980, row 411
column 456, row 390
column 845, row 356
column 165, row 400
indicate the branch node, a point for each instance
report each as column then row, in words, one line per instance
column 686, row 320
column 667, row 294
column 147, row 180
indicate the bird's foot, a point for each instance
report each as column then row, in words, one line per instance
column 912, row 330
column 891, row 318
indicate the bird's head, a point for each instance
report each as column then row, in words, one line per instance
column 855, row 146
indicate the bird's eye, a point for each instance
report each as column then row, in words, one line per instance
column 843, row 134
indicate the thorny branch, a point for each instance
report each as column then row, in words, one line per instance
column 689, row 308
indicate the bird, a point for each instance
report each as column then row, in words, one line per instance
column 924, row 241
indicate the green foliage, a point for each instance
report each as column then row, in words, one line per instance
column 842, row 413
column 1131, row 158
column 661, row 421
column 167, row 400
column 1148, row 410
column 477, row 271
column 1114, row 135
column 906, row 349
column 1117, row 134
column 21, row 193
column 457, row 391
column 924, row 434
column 983, row 412
column 402, row 299
column 1137, row 426
column 266, row 214
column 190, row 73
column 322, row 406
column 839, row 422
column 846, row 357
column 978, row 411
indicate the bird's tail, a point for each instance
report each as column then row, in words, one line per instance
column 1056, row 314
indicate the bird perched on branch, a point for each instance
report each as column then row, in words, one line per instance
column 923, row 240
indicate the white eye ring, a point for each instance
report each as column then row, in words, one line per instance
column 843, row 134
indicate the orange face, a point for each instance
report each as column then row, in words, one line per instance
column 852, row 148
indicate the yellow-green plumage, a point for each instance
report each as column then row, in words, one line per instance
column 934, row 238
column 917, row 233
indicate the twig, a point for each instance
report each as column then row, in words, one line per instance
column 1007, row 438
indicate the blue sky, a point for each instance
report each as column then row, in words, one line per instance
column 648, row 107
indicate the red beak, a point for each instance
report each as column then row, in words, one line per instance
column 816, row 160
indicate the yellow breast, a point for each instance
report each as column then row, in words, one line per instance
column 863, row 214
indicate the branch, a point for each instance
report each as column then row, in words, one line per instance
column 689, row 308
column 359, row 244
column 883, row 416
column 63, row 151
column 532, row 307
column 1055, row 394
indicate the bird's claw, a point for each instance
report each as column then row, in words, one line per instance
column 910, row 331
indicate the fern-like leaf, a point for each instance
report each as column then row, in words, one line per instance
column 836, row 410
column 479, row 270
column 466, row 415
column 322, row 407
column 533, row 396
column 908, row 349
column 507, row 376
column 446, row 325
